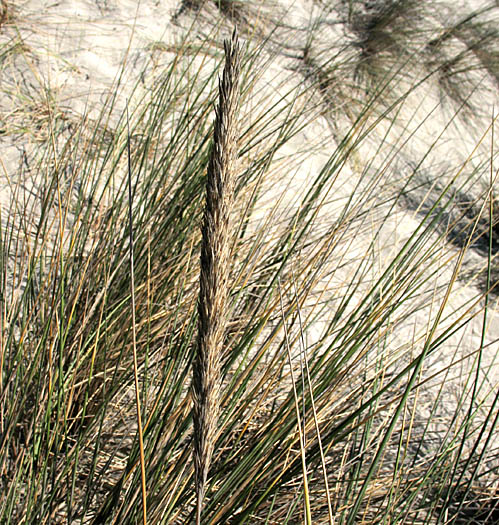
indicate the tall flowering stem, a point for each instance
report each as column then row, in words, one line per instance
column 214, row 273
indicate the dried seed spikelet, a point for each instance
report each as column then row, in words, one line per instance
column 214, row 272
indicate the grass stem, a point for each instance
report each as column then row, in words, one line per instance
column 134, row 336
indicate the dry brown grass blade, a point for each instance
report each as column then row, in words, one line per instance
column 312, row 401
column 301, row 430
column 214, row 273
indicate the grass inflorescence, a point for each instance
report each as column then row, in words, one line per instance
column 215, row 266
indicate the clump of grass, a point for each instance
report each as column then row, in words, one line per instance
column 234, row 9
column 189, row 5
column 252, row 18
column 6, row 15
column 397, row 404
column 462, row 52
column 383, row 31
column 215, row 265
